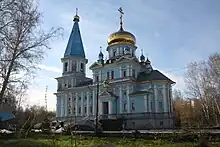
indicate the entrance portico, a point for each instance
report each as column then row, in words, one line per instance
column 107, row 101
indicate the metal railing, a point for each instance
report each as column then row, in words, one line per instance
column 144, row 115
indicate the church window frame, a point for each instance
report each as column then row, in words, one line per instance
column 82, row 67
column 112, row 74
column 125, row 107
column 65, row 66
column 79, row 110
column 85, row 109
column 91, row 109
column 108, row 75
column 133, row 108
column 114, row 53
column 124, row 73
column 73, row 66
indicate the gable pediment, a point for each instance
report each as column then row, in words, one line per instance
column 94, row 65
column 107, row 94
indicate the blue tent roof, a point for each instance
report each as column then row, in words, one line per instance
column 75, row 45
column 4, row 116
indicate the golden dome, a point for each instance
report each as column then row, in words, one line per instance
column 121, row 36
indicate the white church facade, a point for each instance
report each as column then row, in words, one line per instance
column 123, row 86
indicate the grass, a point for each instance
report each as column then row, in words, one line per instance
column 94, row 142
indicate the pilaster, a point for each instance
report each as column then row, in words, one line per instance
column 164, row 99
column 93, row 102
column 155, row 99
column 110, row 107
column 87, row 104
column 76, row 104
column 120, row 99
column 82, row 97
column 145, row 103
column 128, row 98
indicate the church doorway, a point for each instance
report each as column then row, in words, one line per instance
column 105, row 108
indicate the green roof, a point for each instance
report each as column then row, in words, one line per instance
column 152, row 76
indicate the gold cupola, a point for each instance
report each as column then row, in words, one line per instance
column 121, row 36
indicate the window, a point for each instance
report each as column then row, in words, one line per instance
column 90, row 109
column 97, row 78
column 85, row 98
column 125, row 107
column 161, row 106
column 82, row 67
column 132, row 107
column 69, row 99
column 151, row 106
column 69, row 111
column 85, row 108
column 65, row 66
column 125, row 93
column 69, row 84
column 79, row 110
column 112, row 74
column 124, row 73
column 79, row 98
column 114, row 53
column 108, row 75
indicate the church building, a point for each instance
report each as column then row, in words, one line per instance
column 123, row 86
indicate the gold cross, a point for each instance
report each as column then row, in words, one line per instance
column 76, row 11
column 121, row 14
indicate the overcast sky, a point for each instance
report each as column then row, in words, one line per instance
column 172, row 34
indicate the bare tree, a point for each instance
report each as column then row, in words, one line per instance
column 22, row 44
column 202, row 80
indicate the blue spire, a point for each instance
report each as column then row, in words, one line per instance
column 75, row 45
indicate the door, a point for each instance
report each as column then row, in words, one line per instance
column 105, row 108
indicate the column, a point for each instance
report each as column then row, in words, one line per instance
column 87, row 103
column 76, row 104
column 155, row 99
column 120, row 72
column 131, row 71
column 110, row 107
column 77, row 66
column 164, row 99
column 93, row 101
column 70, row 65
column 100, row 107
column 120, row 99
column 145, row 103
column 82, row 110
column 128, row 99
column 66, row 107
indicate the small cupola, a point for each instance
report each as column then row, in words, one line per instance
column 148, row 65
column 101, row 56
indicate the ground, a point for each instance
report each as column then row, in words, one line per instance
column 94, row 142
